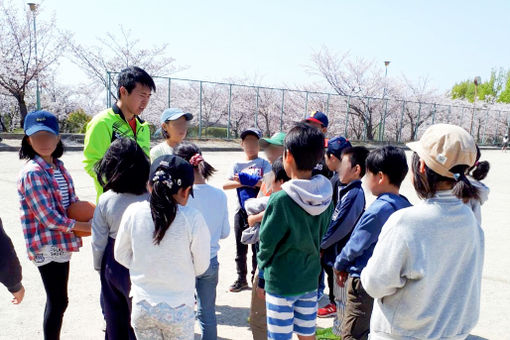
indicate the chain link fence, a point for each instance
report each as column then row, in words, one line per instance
column 223, row 110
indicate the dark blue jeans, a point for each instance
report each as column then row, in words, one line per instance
column 115, row 288
column 206, row 296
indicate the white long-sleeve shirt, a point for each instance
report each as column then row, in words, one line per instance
column 165, row 272
column 426, row 272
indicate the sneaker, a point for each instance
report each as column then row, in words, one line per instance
column 326, row 334
column 327, row 311
column 239, row 286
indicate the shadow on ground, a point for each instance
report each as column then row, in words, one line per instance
column 232, row 316
column 475, row 337
column 197, row 337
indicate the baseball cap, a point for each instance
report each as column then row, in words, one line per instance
column 444, row 146
column 337, row 145
column 318, row 117
column 174, row 114
column 251, row 131
column 40, row 121
column 276, row 139
column 174, row 171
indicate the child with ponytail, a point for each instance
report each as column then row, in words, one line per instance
column 426, row 269
column 165, row 245
column 476, row 174
column 211, row 202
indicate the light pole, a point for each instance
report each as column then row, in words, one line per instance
column 33, row 9
column 381, row 127
column 477, row 81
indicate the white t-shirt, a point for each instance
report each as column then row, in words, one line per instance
column 212, row 203
column 165, row 272
column 160, row 150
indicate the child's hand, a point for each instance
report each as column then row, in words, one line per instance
column 341, row 277
column 236, row 178
column 18, row 296
column 261, row 293
column 251, row 220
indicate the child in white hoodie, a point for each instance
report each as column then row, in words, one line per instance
column 426, row 269
column 165, row 245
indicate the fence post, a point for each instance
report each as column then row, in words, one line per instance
column 327, row 105
column 381, row 136
column 496, row 132
column 306, row 105
column 462, row 116
column 485, row 126
column 169, row 92
column 347, row 115
column 257, row 109
column 281, row 113
column 229, row 109
column 399, row 137
column 415, row 135
column 108, row 90
column 365, row 133
column 200, row 113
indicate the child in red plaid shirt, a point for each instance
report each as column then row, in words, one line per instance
column 45, row 191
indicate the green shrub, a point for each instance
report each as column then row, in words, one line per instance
column 76, row 122
column 210, row 132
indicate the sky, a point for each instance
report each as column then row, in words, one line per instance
column 443, row 41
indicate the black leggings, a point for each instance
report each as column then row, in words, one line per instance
column 54, row 276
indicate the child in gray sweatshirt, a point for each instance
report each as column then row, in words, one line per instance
column 426, row 269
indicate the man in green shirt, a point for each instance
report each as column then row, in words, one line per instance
column 134, row 89
column 294, row 222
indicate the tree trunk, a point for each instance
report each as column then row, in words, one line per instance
column 22, row 108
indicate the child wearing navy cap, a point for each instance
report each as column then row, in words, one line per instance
column 246, row 178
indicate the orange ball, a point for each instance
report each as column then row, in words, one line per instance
column 81, row 211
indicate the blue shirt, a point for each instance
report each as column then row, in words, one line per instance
column 359, row 248
column 249, row 172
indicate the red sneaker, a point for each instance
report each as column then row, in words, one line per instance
column 327, row 311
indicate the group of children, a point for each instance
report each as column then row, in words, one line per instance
column 157, row 225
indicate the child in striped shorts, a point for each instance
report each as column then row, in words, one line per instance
column 294, row 222
column 291, row 314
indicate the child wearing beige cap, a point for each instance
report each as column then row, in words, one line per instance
column 426, row 269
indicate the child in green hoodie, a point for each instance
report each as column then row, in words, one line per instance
column 295, row 220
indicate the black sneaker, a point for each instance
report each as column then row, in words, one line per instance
column 239, row 285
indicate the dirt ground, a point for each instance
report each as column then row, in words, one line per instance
column 83, row 319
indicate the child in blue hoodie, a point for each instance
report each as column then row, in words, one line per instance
column 386, row 169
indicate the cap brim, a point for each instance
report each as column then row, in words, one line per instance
column 188, row 116
column 265, row 142
column 37, row 128
column 311, row 119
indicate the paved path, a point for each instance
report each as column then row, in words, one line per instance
column 83, row 317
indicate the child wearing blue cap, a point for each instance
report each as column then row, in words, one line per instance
column 174, row 127
column 45, row 191
column 246, row 178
